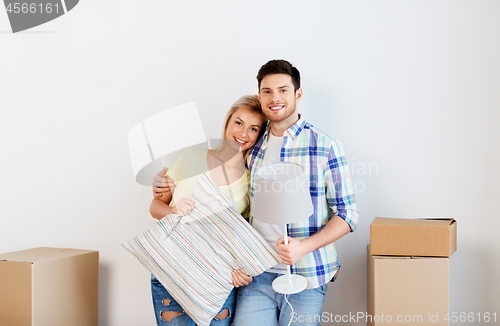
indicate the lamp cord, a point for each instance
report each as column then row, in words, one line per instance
column 291, row 314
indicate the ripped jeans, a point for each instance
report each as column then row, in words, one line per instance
column 169, row 312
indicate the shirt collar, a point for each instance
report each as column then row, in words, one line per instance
column 293, row 131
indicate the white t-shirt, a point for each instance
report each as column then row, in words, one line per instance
column 272, row 232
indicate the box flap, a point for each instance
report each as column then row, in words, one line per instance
column 413, row 221
column 391, row 257
column 41, row 254
column 28, row 255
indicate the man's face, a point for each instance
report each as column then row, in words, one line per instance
column 279, row 100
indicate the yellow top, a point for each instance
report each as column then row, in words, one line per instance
column 188, row 165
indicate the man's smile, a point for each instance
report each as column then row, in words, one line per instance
column 276, row 107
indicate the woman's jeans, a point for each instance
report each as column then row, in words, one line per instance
column 163, row 301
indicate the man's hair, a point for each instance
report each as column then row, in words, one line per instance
column 279, row 67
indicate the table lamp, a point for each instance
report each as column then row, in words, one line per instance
column 281, row 196
column 154, row 141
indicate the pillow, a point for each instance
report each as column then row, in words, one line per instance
column 193, row 256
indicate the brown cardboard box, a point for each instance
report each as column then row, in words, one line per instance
column 413, row 237
column 49, row 287
column 407, row 290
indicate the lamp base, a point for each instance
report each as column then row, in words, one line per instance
column 281, row 285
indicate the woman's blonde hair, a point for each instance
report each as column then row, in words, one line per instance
column 252, row 103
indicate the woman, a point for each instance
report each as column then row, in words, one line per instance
column 244, row 124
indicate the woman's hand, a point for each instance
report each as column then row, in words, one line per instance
column 162, row 183
column 183, row 207
column 240, row 278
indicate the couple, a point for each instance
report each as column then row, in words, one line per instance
column 310, row 251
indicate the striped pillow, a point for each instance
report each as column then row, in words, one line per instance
column 193, row 256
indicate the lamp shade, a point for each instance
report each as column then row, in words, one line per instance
column 154, row 141
column 281, row 194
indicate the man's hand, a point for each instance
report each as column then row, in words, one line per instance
column 183, row 207
column 162, row 184
column 291, row 253
column 240, row 278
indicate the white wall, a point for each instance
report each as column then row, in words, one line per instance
column 410, row 87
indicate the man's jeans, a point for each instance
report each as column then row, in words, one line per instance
column 258, row 305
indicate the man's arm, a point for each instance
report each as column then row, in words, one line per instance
column 340, row 199
column 162, row 184
column 335, row 229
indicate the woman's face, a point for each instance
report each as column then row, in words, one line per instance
column 243, row 128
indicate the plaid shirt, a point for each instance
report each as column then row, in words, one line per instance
column 331, row 192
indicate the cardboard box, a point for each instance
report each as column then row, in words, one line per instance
column 49, row 287
column 407, row 290
column 413, row 237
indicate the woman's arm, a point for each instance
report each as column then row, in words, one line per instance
column 160, row 207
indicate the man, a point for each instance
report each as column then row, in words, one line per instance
column 310, row 251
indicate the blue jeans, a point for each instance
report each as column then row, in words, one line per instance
column 175, row 316
column 258, row 304
column 163, row 301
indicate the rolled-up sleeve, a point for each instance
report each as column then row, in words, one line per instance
column 339, row 189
